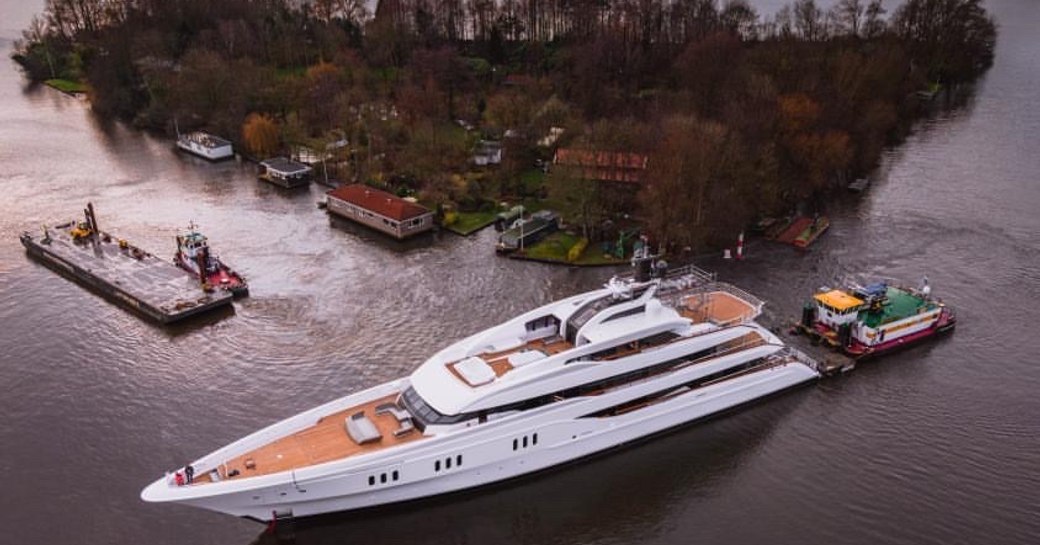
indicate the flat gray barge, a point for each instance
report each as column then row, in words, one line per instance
column 131, row 277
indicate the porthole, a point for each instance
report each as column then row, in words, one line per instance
column 525, row 441
column 437, row 465
column 458, row 460
column 371, row 480
column 395, row 475
column 382, row 478
column 447, row 463
column 515, row 444
column 534, row 439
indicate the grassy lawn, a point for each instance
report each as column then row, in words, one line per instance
column 471, row 222
column 555, row 247
column 533, row 180
column 67, row 86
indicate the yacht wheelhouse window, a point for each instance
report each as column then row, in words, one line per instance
column 542, row 323
column 425, row 415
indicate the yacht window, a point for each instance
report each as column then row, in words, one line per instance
column 395, row 475
column 371, row 480
column 447, row 463
column 437, row 465
column 458, row 460
column 515, row 444
column 424, row 415
column 525, row 441
column 534, row 439
column 382, row 478
column 630, row 312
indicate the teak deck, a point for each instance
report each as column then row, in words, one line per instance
column 717, row 307
column 323, row 442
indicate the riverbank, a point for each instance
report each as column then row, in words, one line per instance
column 780, row 118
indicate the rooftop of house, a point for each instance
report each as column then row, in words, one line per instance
column 378, row 201
column 613, row 166
column 285, row 166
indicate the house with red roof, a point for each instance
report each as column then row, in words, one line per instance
column 604, row 166
column 397, row 217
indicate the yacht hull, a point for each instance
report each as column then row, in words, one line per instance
column 509, row 450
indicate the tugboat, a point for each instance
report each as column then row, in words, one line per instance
column 193, row 255
column 863, row 321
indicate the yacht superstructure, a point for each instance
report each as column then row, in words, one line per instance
column 563, row 381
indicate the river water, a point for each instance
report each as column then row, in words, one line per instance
column 938, row 444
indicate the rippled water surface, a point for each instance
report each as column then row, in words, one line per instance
column 937, row 444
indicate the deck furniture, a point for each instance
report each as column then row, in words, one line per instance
column 361, row 429
column 404, row 419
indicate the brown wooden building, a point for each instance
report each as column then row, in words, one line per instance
column 380, row 210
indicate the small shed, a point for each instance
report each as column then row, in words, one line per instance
column 488, row 152
column 285, row 172
column 379, row 210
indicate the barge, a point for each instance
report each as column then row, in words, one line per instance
column 123, row 273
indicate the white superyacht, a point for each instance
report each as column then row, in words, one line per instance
column 563, row 381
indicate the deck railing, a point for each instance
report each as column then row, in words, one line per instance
column 676, row 298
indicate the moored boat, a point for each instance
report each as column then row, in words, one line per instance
column 527, row 231
column 194, row 255
column 205, row 145
column 870, row 320
column 812, row 232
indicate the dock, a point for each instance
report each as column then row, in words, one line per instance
column 123, row 273
column 828, row 362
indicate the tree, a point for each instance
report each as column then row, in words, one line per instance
column 691, row 160
column 952, row 39
column 260, row 134
column 578, row 196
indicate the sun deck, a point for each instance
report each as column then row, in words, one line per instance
column 325, row 441
column 717, row 307
column 499, row 361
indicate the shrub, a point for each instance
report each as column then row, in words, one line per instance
column 579, row 248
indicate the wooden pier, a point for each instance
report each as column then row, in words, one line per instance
column 127, row 275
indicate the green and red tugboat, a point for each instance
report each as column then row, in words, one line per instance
column 870, row 320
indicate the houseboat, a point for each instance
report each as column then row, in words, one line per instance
column 285, row 172
column 582, row 375
column 869, row 320
column 205, row 145
column 382, row 211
